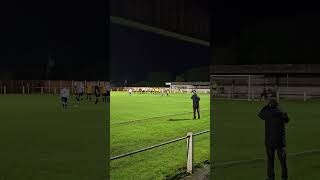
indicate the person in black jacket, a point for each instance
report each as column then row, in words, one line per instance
column 275, row 121
column 195, row 99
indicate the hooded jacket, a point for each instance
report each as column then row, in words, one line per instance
column 275, row 121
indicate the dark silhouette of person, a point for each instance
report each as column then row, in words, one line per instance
column 195, row 99
column 97, row 92
column 271, row 94
column 264, row 94
column 275, row 120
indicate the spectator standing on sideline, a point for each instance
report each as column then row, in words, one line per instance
column 275, row 140
column 195, row 99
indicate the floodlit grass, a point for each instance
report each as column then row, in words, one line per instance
column 38, row 140
column 136, row 123
column 239, row 135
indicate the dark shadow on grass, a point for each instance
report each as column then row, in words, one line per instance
column 183, row 119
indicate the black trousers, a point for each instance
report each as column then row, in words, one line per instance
column 196, row 110
column 282, row 155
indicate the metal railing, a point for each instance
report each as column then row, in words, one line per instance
column 190, row 148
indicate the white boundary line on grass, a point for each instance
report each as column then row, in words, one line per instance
column 125, row 122
column 230, row 163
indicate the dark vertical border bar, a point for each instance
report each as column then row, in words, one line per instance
column 108, row 102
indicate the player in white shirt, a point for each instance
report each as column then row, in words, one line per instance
column 64, row 97
column 80, row 91
column 130, row 91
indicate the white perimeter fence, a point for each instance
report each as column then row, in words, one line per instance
column 288, row 93
column 250, row 87
column 159, row 89
column 44, row 86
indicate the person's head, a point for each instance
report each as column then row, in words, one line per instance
column 273, row 103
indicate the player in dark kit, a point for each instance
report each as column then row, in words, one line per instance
column 195, row 98
column 275, row 121
column 97, row 93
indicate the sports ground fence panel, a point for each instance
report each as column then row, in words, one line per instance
column 182, row 89
column 250, row 87
column 42, row 86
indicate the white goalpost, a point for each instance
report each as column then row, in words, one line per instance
column 241, row 87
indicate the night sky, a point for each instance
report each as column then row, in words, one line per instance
column 135, row 54
column 75, row 34
column 266, row 34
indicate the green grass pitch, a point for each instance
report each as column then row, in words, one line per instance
column 239, row 135
column 142, row 120
column 38, row 140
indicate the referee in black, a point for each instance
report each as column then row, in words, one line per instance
column 275, row 140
